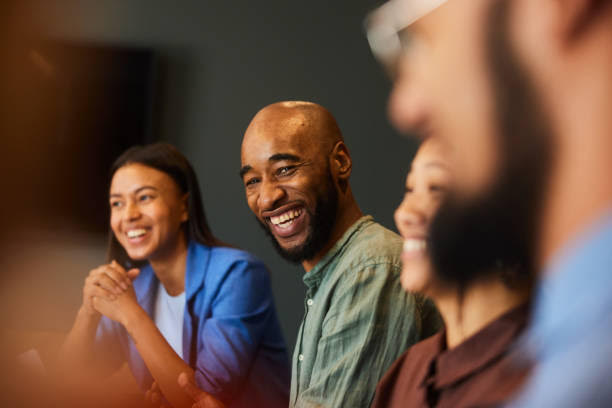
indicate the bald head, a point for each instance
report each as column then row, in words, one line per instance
column 298, row 121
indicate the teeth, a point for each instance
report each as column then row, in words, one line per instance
column 286, row 224
column 412, row 244
column 286, row 218
column 136, row 233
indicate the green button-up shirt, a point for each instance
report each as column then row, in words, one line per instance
column 357, row 320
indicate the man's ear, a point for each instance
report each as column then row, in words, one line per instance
column 341, row 161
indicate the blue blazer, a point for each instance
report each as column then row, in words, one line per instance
column 231, row 334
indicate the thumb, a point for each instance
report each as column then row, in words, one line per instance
column 189, row 386
column 133, row 273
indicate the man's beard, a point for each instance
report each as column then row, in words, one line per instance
column 496, row 230
column 319, row 228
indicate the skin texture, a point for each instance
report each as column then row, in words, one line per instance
column 140, row 198
column 291, row 152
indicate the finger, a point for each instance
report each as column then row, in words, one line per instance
column 133, row 273
column 92, row 277
column 207, row 401
column 98, row 291
column 189, row 387
column 155, row 397
column 109, row 284
column 99, row 276
column 118, row 274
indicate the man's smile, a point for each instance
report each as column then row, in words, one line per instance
column 287, row 221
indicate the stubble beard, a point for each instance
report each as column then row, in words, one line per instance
column 319, row 229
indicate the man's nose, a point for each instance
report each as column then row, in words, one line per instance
column 270, row 194
column 407, row 108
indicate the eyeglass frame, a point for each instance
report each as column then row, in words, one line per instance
column 385, row 29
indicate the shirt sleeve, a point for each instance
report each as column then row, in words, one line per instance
column 107, row 345
column 370, row 323
column 229, row 339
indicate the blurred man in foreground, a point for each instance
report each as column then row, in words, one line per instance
column 522, row 91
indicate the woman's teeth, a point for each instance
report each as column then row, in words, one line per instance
column 413, row 245
column 286, row 218
column 135, row 233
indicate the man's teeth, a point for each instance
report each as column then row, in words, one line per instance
column 286, row 218
column 136, row 233
column 412, row 244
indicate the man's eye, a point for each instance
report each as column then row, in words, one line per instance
column 286, row 171
column 437, row 189
column 145, row 197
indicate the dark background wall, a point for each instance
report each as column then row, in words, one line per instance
column 218, row 63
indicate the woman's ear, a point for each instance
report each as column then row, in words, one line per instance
column 341, row 161
column 185, row 208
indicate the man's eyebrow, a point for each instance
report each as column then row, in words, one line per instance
column 244, row 170
column 284, row 156
column 439, row 165
column 274, row 158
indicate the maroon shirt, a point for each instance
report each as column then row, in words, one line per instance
column 479, row 372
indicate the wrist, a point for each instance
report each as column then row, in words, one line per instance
column 132, row 316
column 86, row 313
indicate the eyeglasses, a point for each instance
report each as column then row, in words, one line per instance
column 385, row 29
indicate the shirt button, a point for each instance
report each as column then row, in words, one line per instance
column 309, row 302
column 301, row 357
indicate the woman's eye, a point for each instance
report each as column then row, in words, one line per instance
column 115, row 204
column 251, row 182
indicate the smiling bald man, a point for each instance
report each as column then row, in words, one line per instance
column 296, row 169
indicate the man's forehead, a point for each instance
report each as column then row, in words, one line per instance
column 263, row 142
column 280, row 130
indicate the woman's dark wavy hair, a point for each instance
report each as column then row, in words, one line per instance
column 166, row 158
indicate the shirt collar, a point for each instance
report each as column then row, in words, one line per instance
column 198, row 257
column 313, row 278
column 479, row 350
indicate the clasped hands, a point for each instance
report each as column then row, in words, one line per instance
column 109, row 291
